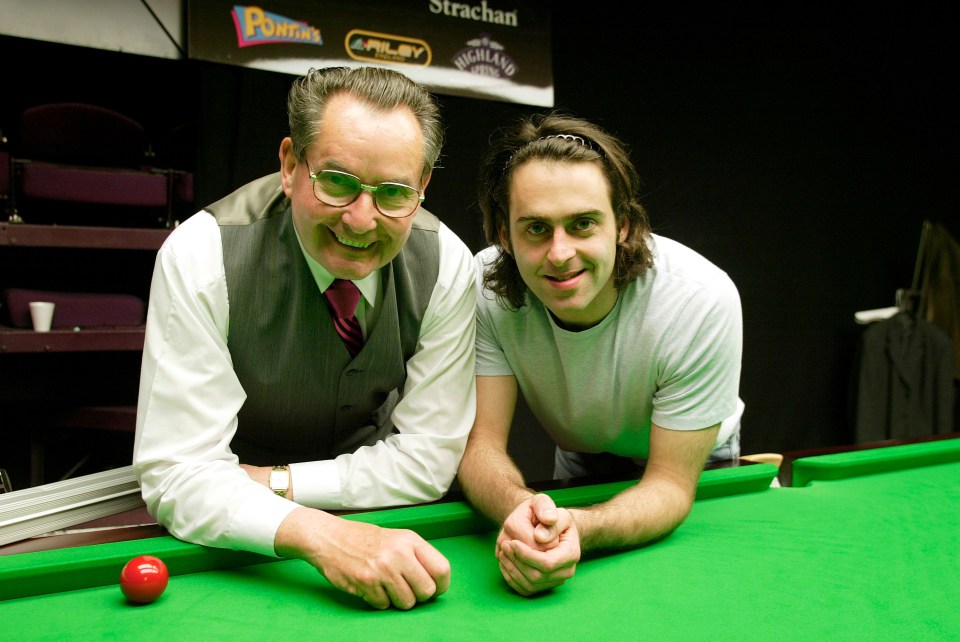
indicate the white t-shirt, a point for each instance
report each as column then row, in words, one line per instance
column 668, row 353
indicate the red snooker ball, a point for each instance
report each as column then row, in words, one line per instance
column 144, row 579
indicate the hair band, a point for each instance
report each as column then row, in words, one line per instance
column 569, row 137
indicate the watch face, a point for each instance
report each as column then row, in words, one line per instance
column 279, row 480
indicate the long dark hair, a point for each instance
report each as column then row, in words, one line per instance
column 559, row 137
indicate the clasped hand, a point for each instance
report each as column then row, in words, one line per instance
column 538, row 547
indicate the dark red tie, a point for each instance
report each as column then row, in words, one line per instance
column 343, row 297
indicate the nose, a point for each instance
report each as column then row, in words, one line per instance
column 361, row 215
column 561, row 248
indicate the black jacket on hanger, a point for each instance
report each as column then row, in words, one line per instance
column 905, row 380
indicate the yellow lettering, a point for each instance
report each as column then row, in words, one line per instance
column 253, row 18
column 269, row 27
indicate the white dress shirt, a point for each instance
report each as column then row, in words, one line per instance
column 190, row 397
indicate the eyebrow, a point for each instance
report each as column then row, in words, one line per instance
column 332, row 164
column 533, row 218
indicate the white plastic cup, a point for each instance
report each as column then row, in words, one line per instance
column 42, row 314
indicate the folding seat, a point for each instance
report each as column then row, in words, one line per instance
column 82, row 164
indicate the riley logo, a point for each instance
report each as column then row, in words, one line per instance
column 384, row 47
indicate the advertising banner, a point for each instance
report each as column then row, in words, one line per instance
column 488, row 49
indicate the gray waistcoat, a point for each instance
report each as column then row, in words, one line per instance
column 306, row 398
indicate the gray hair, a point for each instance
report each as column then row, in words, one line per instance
column 381, row 88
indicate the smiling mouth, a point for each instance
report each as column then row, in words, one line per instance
column 564, row 277
column 350, row 243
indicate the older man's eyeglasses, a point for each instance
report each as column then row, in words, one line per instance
column 339, row 189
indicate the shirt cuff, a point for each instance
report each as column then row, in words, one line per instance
column 256, row 523
column 316, row 484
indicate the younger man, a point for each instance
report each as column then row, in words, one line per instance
column 626, row 346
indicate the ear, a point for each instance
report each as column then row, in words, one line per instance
column 288, row 163
column 425, row 181
column 505, row 239
column 624, row 230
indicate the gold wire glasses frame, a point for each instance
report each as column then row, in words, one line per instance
column 339, row 189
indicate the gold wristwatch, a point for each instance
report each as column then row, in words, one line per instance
column 280, row 480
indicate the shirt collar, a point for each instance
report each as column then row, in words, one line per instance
column 369, row 285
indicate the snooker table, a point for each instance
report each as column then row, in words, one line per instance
column 863, row 546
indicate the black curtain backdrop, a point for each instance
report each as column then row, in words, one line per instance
column 801, row 153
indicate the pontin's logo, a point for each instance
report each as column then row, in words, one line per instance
column 258, row 27
column 485, row 57
column 384, row 47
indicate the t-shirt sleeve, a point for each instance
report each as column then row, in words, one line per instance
column 491, row 360
column 701, row 376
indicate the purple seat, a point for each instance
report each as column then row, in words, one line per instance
column 108, row 186
column 80, row 164
column 75, row 309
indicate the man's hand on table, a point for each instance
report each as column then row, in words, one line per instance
column 385, row 567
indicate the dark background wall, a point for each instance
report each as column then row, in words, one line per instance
column 799, row 152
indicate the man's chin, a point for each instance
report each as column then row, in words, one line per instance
column 352, row 265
